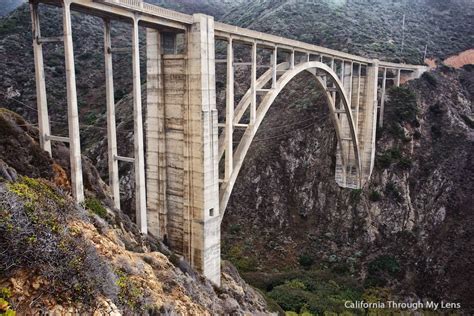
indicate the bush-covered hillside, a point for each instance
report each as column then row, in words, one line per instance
column 367, row 27
column 58, row 257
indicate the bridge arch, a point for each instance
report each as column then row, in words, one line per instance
column 323, row 73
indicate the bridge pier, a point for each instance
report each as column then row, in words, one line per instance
column 182, row 164
column 367, row 118
column 72, row 109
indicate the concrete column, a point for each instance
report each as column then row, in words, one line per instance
column 229, row 118
column 201, row 167
column 274, row 62
column 111, row 128
column 139, row 162
column 350, row 81
column 333, row 94
column 73, row 117
column 368, row 125
column 253, row 85
column 41, row 98
column 358, row 97
column 292, row 59
column 382, row 97
column 155, row 137
column 397, row 82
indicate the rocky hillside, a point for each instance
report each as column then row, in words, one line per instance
column 61, row 257
column 368, row 28
column 406, row 235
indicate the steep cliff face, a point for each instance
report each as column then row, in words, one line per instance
column 59, row 257
column 414, row 214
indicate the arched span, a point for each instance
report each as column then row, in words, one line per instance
column 318, row 69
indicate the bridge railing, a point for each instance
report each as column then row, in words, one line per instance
column 141, row 6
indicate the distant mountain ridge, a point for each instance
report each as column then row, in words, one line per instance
column 8, row 6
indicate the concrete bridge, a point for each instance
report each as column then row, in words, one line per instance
column 186, row 162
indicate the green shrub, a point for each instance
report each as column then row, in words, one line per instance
column 402, row 103
column 436, row 131
column 96, row 207
column 234, row 229
column 374, row 196
column 356, row 195
column 405, row 163
column 241, row 261
column 392, row 190
column 381, row 270
column 469, row 121
column 5, row 308
column 305, row 260
column 386, row 159
column 288, row 298
column 430, row 78
column 129, row 292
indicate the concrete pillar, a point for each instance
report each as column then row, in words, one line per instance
column 368, row 117
column 358, row 97
column 274, row 63
column 397, row 81
column 41, row 98
column 382, row 97
column 253, row 85
column 156, row 180
column 229, row 116
column 292, row 59
column 139, row 162
column 111, row 128
column 73, row 117
column 333, row 94
column 201, row 166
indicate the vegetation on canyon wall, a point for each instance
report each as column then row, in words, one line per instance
column 307, row 243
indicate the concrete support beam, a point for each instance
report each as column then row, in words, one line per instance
column 111, row 127
column 139, row 163
column 253, row 85
column 358, row 96
column 274, row 62
column 156, row 166
column 397, row 81
column 292, row 59
column 382, row 97
column 229, row 118
column 73, row 117
column 41, row 98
